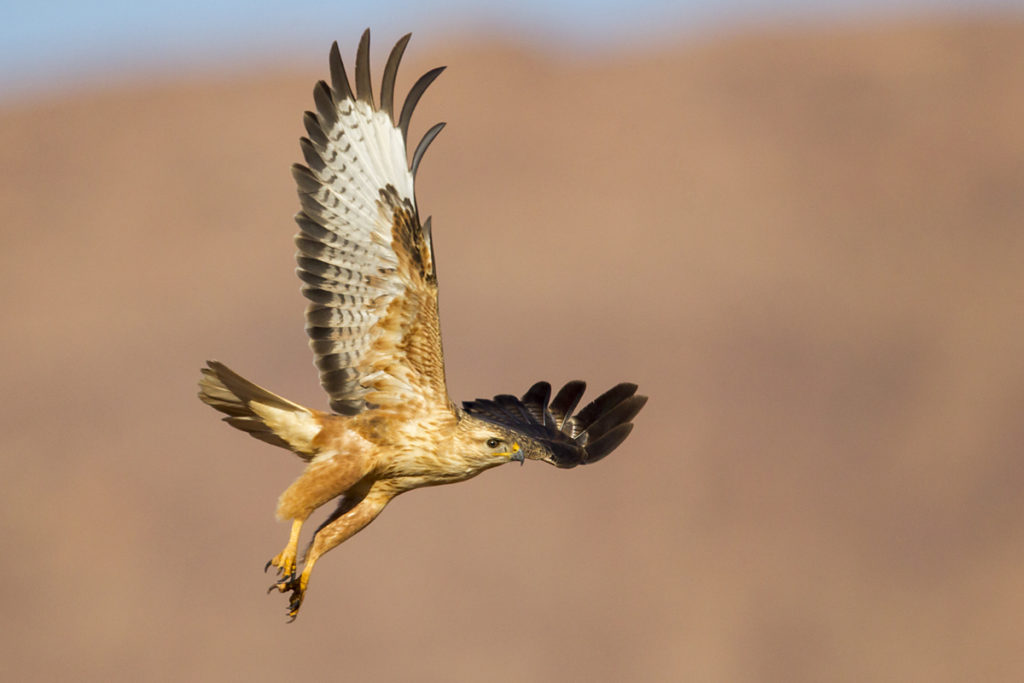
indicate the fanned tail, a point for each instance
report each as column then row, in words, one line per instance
column 262, row 414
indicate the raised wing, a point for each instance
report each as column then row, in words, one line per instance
column 366, row 261
column 553, row 433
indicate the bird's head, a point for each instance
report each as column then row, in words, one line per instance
column 487, row 443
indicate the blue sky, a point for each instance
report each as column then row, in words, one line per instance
column 48, row 44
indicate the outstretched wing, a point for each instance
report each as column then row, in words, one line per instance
column 553, row 433
column 366, row 261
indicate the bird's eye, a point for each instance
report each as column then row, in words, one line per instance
column 492, row 443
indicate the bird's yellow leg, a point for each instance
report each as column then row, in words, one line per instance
column 285, row 560
column 333, row 532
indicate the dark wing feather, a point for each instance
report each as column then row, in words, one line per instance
column 421, row 148
column 364, row 90
column 366, row 262
column 339, row 79
column 552, row 433
column 566, row 400
column 387, row 86
column 413, row 98
column 536, row 401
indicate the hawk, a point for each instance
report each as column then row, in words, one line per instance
column 367, row 266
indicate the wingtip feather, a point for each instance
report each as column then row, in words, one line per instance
column 387, row 86
column 364, row 87
column 413, row 98
column 339, row 79
column 421, row 148
column 557, row 434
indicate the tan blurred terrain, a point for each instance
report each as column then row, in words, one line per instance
column 806, row 247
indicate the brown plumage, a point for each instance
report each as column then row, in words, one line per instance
column 367, row 267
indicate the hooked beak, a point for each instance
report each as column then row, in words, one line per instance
column 517, row 454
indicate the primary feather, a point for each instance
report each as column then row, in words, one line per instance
column 365, row 260
column 557, row 436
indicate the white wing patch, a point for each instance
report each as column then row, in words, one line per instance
column 365, row 154
column 357, row 226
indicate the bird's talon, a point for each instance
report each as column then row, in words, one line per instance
column 285, row 564
column 295, row 585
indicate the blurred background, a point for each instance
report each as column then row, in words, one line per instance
column 798, row 226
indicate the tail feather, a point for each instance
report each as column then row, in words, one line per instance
column 260, row 413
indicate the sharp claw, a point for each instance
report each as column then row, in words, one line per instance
column 293, row 584
column 280, row 570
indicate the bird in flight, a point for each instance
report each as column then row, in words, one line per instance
column 366, row 262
